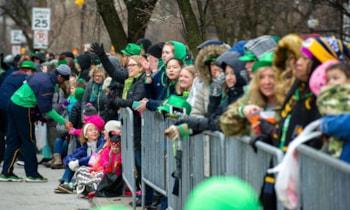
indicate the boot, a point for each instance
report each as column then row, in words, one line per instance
column 57, row 161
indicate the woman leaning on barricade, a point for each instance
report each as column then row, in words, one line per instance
column 225, row 89
column 255, row 113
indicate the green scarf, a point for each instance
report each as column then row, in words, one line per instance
column 127, row 85
column 95, row 91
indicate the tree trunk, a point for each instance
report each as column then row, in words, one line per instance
column 139, row 14
column 193, row 34
column 112, row 22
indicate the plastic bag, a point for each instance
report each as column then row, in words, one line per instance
column 287, row 180
column 40, row 134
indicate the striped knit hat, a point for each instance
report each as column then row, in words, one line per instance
column 325, row 49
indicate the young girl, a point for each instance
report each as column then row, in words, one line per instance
column 186, row 77
column 331, row 82
column 90, row 143
column 173, row 68
column 108, row 160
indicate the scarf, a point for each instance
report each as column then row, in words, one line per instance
column 127, row 85
column 95, row 90
column 91, row 147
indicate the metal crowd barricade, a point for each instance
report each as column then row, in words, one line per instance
column 128, row 154
column 244, row 162
column 324, row 180
column 174, row 201
column 153, row 151
column 217, row 154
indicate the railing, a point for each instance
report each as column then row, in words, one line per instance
column 324, row 180
column 128, row 153
column 153, row 151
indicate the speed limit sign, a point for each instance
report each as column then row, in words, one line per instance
column 41, row 18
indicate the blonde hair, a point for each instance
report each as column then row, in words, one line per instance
column 255, row 95
column 82, row 137
column 192, row 71
column 138, row 59
column 288, row 49
column 98, row 69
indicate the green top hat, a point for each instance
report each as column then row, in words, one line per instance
column 265, row 61
column 28, row 65
column 175, row 102
column 132, row 49
column 248, row 57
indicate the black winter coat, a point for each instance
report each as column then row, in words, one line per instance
column 75, row 115
column 215, row 108
column 135, row 93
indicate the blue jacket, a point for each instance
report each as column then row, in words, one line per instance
column 156, row 88
column 8, row 72
column 43, row 86
column 80, row 153
column 339, row 127
column 9, row 86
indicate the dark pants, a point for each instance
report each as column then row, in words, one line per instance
column 3, row 124
column 20, row 137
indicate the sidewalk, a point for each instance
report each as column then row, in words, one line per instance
column 41, row 196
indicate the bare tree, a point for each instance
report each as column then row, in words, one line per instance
column 20, row 12
column 137, row 20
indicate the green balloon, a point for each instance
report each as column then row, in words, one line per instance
column 223, row 193
column 111, row 207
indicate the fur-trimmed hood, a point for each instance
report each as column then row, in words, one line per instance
column 203, row 55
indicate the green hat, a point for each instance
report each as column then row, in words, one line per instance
column 63, row 61
column 79, row 93
column 265, row 61
column 180, row 52
column 248, row 56
column 211, row 59
column 224, row 193
column 175, row 101
column 132, row 49
column 28, row 65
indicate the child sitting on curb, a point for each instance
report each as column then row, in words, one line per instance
column 108, row 160
column 90, row 141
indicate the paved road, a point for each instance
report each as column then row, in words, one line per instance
column 40, row 196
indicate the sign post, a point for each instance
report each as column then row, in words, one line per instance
column 17, row 37
column 41, row 23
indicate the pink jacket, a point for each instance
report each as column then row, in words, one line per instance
column 107, row 162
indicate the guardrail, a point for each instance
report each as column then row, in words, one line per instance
column 153, row 151
column 324, row 179
column 128, row 153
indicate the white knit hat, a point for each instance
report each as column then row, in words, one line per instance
column 86, row 127
column 113, row 125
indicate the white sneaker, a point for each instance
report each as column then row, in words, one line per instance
column 20, row 163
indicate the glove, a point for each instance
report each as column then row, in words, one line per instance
column 175, row 132
column 135, row 105
column 98, row 49
column 262, row 138
column 216, row 86
column 73, row 165
column 266, row 127
column 172, row 132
